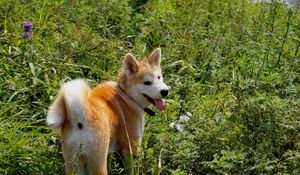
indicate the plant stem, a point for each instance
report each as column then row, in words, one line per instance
column 296, row 52
column 285, row 37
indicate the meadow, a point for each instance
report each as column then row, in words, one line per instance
column 233, row 67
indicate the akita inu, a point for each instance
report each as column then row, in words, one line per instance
column 108, row 118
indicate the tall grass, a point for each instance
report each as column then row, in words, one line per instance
column 232, row 64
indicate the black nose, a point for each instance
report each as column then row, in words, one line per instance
column 164, row 93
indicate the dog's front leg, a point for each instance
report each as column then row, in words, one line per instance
column 130, row 159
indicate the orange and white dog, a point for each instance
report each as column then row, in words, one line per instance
column 108, row 118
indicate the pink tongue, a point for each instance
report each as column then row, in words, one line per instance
column 160, row 104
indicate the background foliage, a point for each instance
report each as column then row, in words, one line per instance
column 232, row 64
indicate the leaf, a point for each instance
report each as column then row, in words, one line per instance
column 32, row 69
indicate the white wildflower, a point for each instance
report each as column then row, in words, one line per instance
column 178, row 83
column 218, row 119
column 179, row 128
column 189, row 114
column 172, row 125
column 183, row 118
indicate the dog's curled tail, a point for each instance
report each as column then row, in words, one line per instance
column 69, row 105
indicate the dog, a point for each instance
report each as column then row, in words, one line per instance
column 108, row 118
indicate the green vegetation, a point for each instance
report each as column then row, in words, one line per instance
column 232, row 64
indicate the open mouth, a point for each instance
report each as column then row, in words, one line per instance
column 160, row 104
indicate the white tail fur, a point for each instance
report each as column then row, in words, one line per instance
column 71, row 100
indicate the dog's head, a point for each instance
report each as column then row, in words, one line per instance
column 143, row 81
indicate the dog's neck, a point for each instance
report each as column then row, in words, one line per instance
column 146, row 109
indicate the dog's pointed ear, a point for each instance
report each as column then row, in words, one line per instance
column 155, row 57
column 130, row 64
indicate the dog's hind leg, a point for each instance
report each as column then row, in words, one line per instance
column 82, row 164
column 98, row 166
column 75, row 162
column 69, row 163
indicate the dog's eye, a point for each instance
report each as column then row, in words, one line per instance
column 158, row 77
column 147, row 83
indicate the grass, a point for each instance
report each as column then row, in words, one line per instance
column 232, row 64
